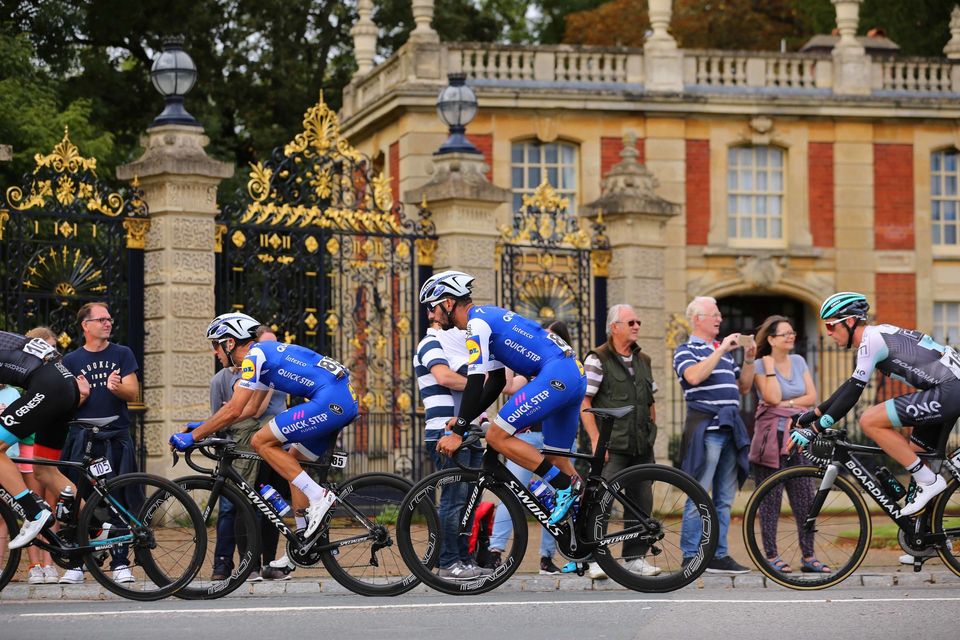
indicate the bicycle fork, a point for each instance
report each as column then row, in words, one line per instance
column 831, row 473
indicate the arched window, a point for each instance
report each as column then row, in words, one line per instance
column 755, row 194
column 944, row 199
column 532, row 162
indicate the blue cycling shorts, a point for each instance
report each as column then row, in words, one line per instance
column 310, row 427
column 553, row 399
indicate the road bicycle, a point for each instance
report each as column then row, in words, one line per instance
column 149, row 517
column 624, row 523
column 837, row 527
column 355, row 543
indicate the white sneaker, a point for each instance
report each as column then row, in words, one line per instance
column 35, row 575
column 72, row 576
column 317, row 510
column 283, row 562
column 643, row 567
column 30, row 530
column 908, row 558
column 50, row 575
column 123, row 575
column 596, row 573
column 924, row 494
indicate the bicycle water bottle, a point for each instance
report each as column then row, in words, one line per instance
column 276, row 500
column 543, row 493
column 891, row 485
column 65, row 504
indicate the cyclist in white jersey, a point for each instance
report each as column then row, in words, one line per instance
column 906, row 355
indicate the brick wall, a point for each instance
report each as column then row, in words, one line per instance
column 893, row 196
column 698, row 191
column 610, row 152
column 820, row 177
column 484, row 142
column 896, row 299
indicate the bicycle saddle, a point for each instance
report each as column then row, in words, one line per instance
column 94, row 422
column 613, row 412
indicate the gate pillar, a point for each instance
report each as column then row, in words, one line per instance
column 464, row 207
column 179, row 183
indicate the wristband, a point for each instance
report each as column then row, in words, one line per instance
column 460, row 427
column 745, row 361
column 771, row 375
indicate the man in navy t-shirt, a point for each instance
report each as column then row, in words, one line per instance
column 111, row 371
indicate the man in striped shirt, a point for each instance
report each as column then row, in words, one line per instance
column 440, row 365
column 715, row 442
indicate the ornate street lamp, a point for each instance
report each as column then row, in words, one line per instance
column 457, row 107
column 173, row 74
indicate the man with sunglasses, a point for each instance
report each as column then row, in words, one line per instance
column 906, row 355
column 619, row 374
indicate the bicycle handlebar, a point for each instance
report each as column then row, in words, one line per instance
column 203, row 446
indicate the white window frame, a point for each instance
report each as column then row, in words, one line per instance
column 566, row 172
column 943, row 232
column 753, row 196
column 946, row 322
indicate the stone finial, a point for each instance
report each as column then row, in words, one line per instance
column 660, row 12
column 6, row 153
column 629, row 187
column 364, row 34
column 423, row 16
column 848, row 17
column 952, row 50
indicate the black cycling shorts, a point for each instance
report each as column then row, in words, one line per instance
column 929, row 412
column 45, row 407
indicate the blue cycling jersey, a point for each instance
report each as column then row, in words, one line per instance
column 497, row 337
column 289, row 368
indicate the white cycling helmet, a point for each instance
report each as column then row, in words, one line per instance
column 446, row 284
column 238, row 326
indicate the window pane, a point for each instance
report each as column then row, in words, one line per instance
column 950, row 210
column 934, row 185
column 569, row 177
column 776, row 181
column 568, row 153
column 761, row 227
column 775, row 204
column 550, row 153
column 761, row 202
column 731, row 180
column 950, row 234
column 746, row 156
column 516, row 178
column 950, row 162
column 745, row 205
column 776, row 158
column 516, row 153
column 953, row 313
column 936, row 161
column 552, row 177
column 732, row 227
column 732, row 158
column 936, row 234
column 776, row 228
column 517, row 201
column 950, row 185
column 935, row 210
column 761, row 156
column 732, row 205
column 533, row 154
column 745, row 230
column 762, row 181
column 533, row 177
column 746, row 178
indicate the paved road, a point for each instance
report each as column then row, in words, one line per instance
column 846, row 612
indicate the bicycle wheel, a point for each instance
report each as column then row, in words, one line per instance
column 156, row 530
column 651, row 560
column 11, row 559
column 774, row 528
column 946, row 518
column 236, row 560
column 361, row 533
column 433, row 538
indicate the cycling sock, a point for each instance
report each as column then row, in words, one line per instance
column 921, row 472
column 301, row 522
column 311, row 489
column 31, row 508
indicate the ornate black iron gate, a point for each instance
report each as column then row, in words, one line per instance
column 553, row 268
column 317, row 248
column 67, row 238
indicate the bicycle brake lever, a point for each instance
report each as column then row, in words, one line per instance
column 176, row 458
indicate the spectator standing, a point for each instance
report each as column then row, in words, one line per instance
column 786, row 388
column 715, row 442
column 111, row 371
column 620, row 374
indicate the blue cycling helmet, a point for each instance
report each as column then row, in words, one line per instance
column 845, row 304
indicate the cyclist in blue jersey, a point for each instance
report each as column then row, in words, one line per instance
column 498, row 338
column 303, row 432
column 903, row 354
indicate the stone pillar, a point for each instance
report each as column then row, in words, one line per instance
column 6, row 153
column 851, row 64
column 952, row 50
column 179, row 183
column 636, row 219
column 662, row 61
column 364, row 34
column 423, row 16
column 464, row 203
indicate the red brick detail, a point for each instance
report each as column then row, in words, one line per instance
column 820, row 179
column 484, row 142
column 393, row 163
column 893, row 197
column 698, row 191
column 896, row 299
column 610, row 153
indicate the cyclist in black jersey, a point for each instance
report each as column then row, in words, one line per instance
column 906, row 355
column 50, row 397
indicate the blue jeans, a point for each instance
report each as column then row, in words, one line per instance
column 454, row 544
column 719, row 477
column 502, row 525
column 226, row 536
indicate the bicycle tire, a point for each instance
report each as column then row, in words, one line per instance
column 246, row 552
column 166, row 527
column 668, row 492
column 373, row 567
column 840, row 539
column 420, row 535
column 11, row 562
column 946, row 516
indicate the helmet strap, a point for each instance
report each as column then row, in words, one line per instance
column 449, row 313
column 850, row 333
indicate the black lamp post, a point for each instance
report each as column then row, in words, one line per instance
column 173, row 74
column 457, row 107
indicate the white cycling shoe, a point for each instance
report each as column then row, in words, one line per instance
column 924, row 494
column 317, row 510
column 283, row 562
column 31, row 530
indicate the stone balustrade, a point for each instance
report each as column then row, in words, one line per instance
column 929, row 75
